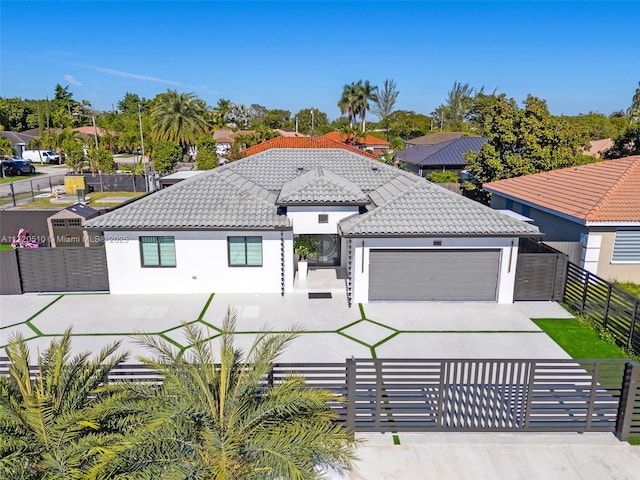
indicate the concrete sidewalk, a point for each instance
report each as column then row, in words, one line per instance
column 488, row 456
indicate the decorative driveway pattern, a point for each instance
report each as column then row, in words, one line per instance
column 330, row 331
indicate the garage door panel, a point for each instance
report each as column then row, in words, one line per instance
column 433, row 275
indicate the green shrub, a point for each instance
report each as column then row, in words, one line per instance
column 443, row 177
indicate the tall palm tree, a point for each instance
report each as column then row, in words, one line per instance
column 365, row 93
column 217, row 417
column 51, row 425
column 347, row 101
column 178, row 118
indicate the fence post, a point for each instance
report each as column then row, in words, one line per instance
column 50, row 185
column 632, row 330
column 351, row 395
column 33, row 197
column 584, row 290
column 13, row 194
column 628, row 394
column 605, row 316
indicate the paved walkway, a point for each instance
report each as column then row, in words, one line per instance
column 331, row 330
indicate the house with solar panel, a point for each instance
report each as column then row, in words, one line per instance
column 390, row 234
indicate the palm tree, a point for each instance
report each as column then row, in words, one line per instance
column 219, row 417
column 347, row 101
column 178, row 118
column 51, row 425
column 355, row 99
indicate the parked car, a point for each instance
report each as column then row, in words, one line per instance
column 17, row 166
column 41, row 156
column 22, row 166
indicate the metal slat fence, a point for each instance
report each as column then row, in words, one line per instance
column 609, row 306
column 464, row 395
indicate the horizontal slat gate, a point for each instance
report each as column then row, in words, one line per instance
column 63, row 269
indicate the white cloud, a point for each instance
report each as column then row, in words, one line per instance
column 137, row 76
column 72, row 81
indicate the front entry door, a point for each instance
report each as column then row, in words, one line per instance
column 328, row 251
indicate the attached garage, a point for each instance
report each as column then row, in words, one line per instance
column 433, row 275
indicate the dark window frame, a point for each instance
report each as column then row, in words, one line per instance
column 245, row 264
column 157, row 242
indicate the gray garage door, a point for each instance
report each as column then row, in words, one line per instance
column 435, row 275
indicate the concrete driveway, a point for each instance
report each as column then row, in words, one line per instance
column 330, row 330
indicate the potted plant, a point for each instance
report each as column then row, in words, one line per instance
column 305, row 246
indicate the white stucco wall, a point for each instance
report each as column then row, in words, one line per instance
column 507, row 269
column 305, row 219
column 202, row 264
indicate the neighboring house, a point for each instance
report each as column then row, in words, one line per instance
column 177, row 177
column 435, row 138
column 596, row 147
column 66, row 228
column 440, row 157
column 597, row 205
column 305, row 143
column 18, row 140
column 395, row 236
column 368, row 143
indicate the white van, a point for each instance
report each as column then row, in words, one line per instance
column 41, row 156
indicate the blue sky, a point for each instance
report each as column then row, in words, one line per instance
column 579, row 56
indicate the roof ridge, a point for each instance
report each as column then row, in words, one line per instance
column 628, row 171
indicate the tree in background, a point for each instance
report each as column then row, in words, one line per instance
column 6, row 148
column 206, row 158
column 385, row 101
column 408, row 124
column 101, row 160
column 355, row 99
column 453, row 113
column 320, row 121
column 626, row 144
column 520, row 141
column 237, row 116
column 276, row 118
column 165, row 155
column 216, row 416
column 634, row 109
column 178, row 118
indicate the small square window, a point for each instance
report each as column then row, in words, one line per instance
column 323, row 218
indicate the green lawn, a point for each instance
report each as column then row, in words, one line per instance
column 578, row 340
column 18, row 177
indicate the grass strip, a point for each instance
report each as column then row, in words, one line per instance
column 578, row 340
column 206, row 306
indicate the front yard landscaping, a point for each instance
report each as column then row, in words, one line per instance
column 578, row 339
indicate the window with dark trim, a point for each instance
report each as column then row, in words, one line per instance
column 323, row 218
column 158, row 251
column 526, row 210
column 245, row 251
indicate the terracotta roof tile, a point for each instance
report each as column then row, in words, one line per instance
column 368, row 140
column 302, row 142
column 606, row 191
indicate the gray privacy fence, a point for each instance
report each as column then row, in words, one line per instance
column 465, row 395
column 540, row 272
column 76, row 269
column 612, row 308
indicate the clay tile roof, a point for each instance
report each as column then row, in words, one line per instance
column 302, row 142
column 606, row 191
column 368, row 140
